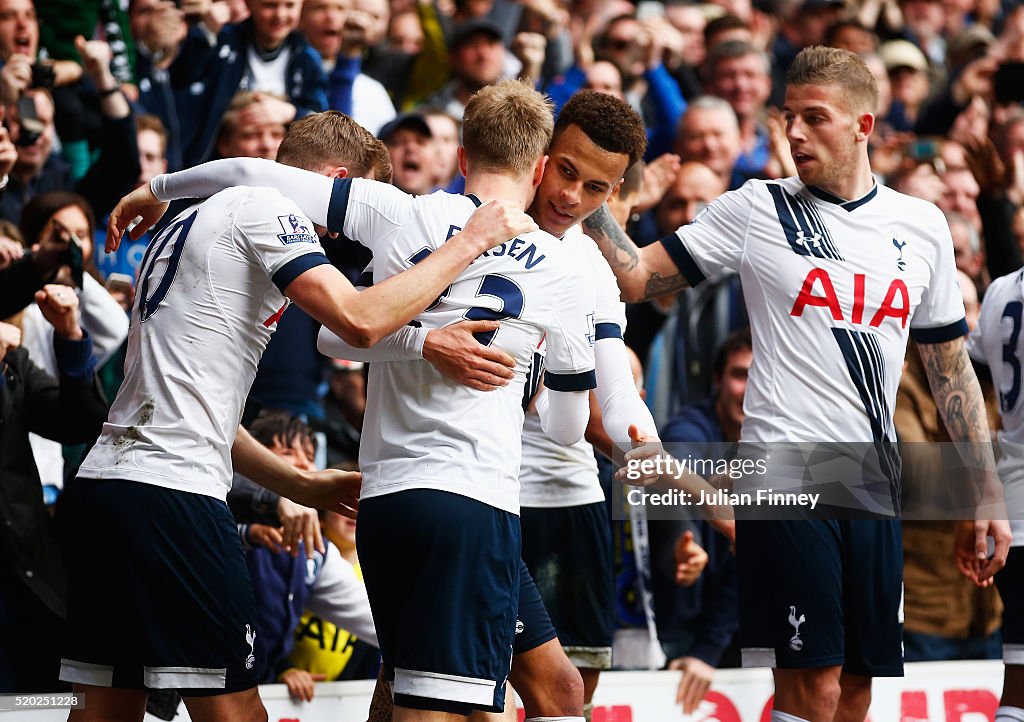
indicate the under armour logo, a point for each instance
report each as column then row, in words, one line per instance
column 812, row 242
column 250, row 638
column 900, row 263
column 795, row 643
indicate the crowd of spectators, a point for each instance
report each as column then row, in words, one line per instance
column 97, row 97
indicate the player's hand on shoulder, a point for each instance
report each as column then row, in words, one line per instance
column 59, row 305
column 331, row 490
column 141, row 203
column 691, row 558
column 300, row 523
column 456, row 353
column 495, row 222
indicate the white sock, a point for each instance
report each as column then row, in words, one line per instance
column 785, row 717
column 1009, row 714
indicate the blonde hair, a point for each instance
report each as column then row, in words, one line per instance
column 507, row 127
column 378, row 158
column 329, row 138
column 819, row 65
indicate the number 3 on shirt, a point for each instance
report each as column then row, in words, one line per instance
column 495, row 285
column 178, row 231
column 1008, row 398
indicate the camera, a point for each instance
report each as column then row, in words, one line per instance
column 29, row 125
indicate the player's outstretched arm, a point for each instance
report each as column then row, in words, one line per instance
column 363, row 319
column 564, row 414
column 643, row 273
column 452, row 350
column 962, row 407
column 331, row 490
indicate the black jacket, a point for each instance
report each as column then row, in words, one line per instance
column 70, row 411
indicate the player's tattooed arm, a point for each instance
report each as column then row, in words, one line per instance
column 958, row 395
column 962, row 407
column 643, row 273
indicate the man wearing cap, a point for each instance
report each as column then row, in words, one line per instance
column 908, row 77
column 411, row 146
column 477, row 57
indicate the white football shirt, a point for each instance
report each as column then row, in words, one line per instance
column 553, row 475
column 833, row 288
column 209, row 296
column 996, row 342
column 422, row 430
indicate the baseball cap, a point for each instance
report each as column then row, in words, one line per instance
column 412, row 121
column 902, row 54
column 478, row 26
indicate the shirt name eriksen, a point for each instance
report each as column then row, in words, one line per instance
column 762, row 497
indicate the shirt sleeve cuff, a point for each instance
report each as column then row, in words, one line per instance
column 940, row 334
column 607, row 330
column 296, row 267
column 583, row 381
column 684, row 261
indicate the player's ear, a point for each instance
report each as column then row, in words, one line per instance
column 865, row 125
column 538, row 171
column 461, row 154
column 616, row 189
column 338, row 172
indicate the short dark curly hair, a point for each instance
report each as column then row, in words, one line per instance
column 609, row 122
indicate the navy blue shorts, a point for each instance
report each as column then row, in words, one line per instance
column 569, row 553
column 821, row 593
column 533, row 625
column 442, row 575
column 1010, row 581
column 158, row 592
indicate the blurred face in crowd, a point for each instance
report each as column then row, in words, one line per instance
column 711, row 137
column 909, row 86
column 1013, row 139
column 251, row 141
column 578, row 178
column 732, row 385
column 19, row 30
column 877, row 68
column 379, row 13
column 969, row 292
column 961, row 195
column 695, row 186
column 856, row 40
column 298, row 454
column 813, row 24
column 604, row 77
column 74, row 220
column 923, row 182
column 621, row 48
column 743, row 82
column 478, row 61
column 412, row 156
column 446, row 140
column 406, row 33
column 823, row 134
column 31, row 158
column 340, row 530
column 152, row 159
column 1018, row 228
column 272, row 20
column 322, row 22
column 690, row 22
column 966, row 258
column 924, row 18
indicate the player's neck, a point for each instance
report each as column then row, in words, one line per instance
column 499, row 187
column 853, row 186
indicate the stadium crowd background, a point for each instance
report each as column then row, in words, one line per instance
column 101, row 96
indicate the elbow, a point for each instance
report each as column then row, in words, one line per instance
column 631, row 293
column 361, row 335
column 566, row 434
